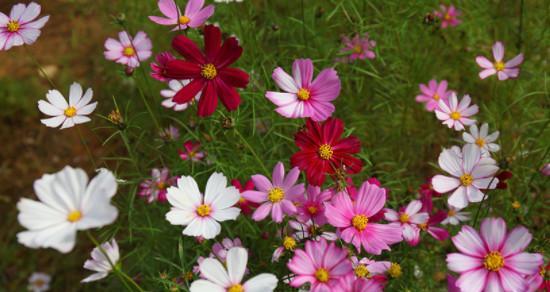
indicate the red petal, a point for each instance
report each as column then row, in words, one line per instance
column 347, row 145
column 212, row 42
column 189, row 91
column 208, row 101
column 179, row 69
column 188, row 49
column 229, row 96
column 234, row 77
column 332, row 129
column 229, row 53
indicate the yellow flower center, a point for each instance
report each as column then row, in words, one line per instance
column 74, row 216
column 70, row 112
column 395, row 270
column 404, row 218
column 161, row 185
column 209, row 71
column 204, row 210
column 289, row 243
column 236, row 288
column 325, row 151
column 542, row 271
column 455, row 116
column 322, row 275
column 129, row 51
column 275, row 195
column 312, row 210
column 361, row 271
column 13, row 26
column 357, row 49
column 499, row 66
column 423, row 226
column 466, row 179
column 184, row 19
column 436, row 96
column 493, row 261
column 516, row 205
column 39, row 283
column 303, row 94
column 451, row 213
column 447, row 16
column 360, row 222
column 480, row 142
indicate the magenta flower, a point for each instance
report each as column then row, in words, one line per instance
column 493, row 260
column 433, row 93
column 321, row 264
column 159, row 68
column 302, row 97
column 408, row 220
column 275, row 197
column 154, row 189
column 455, row 114
column 192, row 151
column 432, row 228
column 352, row 284
column 358, row 47
column 128, row 51
column 194, row 16
column 352, row 219
column 448, row 16
column 20, row 27
column 503, row 70
column 311, row 205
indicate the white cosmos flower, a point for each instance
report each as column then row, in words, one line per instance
column 470, row 172
column 39, row 282
column 67, row 203
column 101, row 264
column 455, row 216
column 218, row 279
column 201, row 214
column 482, row 139
column 67, row 114
column 168, row 94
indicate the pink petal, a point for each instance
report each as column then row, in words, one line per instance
column 502, row 75
column 277, row 213
column 302, row 71
column 461, row 263
column 168, row 8
column 193, row 6
column 493, row 232
column 262, row 183
column 284, row 81
column 201, row 17
column 278, row 174
column 31, row 12
column 484, row 63
column 511, row 281
column 163, row 21
column 524, row 263
column 468, row 242
column 281, row 98
column 498, row 51
column 326, row 86
column 262, row 212
column 517, row 240
column 472, row 281
column 413, row 207
column 293, row 110
column 516, row 61
column 486, row 73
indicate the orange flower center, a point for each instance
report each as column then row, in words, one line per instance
column 276, row 195
column 436, row 96
column 361, row 271
column 289, row 243
column 209, row 71
column 455, row 116
column 13, row 26
column 322, row 275
column 236, row 288
column 451, row 213
column 480, row 142
column 70, row 112
column 74, row 216
column 466, row 179
column 184, row 19
column 360, row 222
column 128, row 51
column 404, row 218
column 357, row 49
column 493, row 261
column 312, row 210
column 204, row 210
column 303, row 94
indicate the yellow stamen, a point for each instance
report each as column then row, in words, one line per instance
column 499, row 66
column 209, row 71
column 70, row 112
column 129, row 51
column 236, row 288
column 38, row 283
column 325, row 151
column 74, row 216
column 516, row 205
column 360, row 222
column 312, row 210
column 423, row 226
column 276, row 195
column 184, row 19
column 204, row 210
column 436, row 96
column 13, row 26
column 395, row 270
column 322, row 275
column 357, row 49
column 447, row 16
column 455, row 116
column 466, row 179
column 480, row 142
column 451, row 213
column 404, row 218
column 493, row 261
column 289, row 243
column 303, row 94
column 161, row 185
column 361, row 271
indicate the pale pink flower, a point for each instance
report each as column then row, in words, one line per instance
column 455, row 114
column 545, row 169
column 311, row 205
column 154, row 188
column 367, row 268
column 358, row 47
column 481, row 138
column 352, row 219
column 448, row 16
column 275, row 197
column 504, row 70
column 470, row 173
column 321, row 264
column 220, row 249
column 352, row 284
column 159, row 68
column 493, row 260
column 20, row 27
column 432, row 93
column 408, row 220
column 103, row 260
column 170, row 133
column 455, row 216
column 128, row 51
column 194, row 15
column 174, row 87
column 304, row 98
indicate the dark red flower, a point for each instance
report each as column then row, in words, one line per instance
column 427, row 189
column 323, row 151
column 158, row 69
column 247, row 207
column 503, row 176
column 431, row 226
column 208, row 71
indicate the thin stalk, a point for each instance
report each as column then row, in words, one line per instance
column 482, row 201
column 40, row 68
column 129, row 149
column 260, row 161
column 85, row 143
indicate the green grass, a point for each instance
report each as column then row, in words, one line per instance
column 400, row 141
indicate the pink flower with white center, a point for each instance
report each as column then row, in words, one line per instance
column 194, row 16
column 352, row 219
column 192, row 151
column 201, row 213
column 408, row 220
column 304, row 98
column 503, row 70
column 455, row 216
column 455, row 114
column 481, row 139
column 448, row 16
column 20, row 27
column 154, row 188
column 158, row 69
column 493, row 260
column 275, row 197
column 311, row 205
column 128, row 51
column 470, row 173
column 174, row 87
column 433, row 93
column 358, row 47
column 321, row 264
column 311, row 231
column 220, row 249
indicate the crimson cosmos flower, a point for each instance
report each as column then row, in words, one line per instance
column 323, row 151
column 208, row 71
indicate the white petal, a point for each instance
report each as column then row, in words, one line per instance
column 49, row 109
column 214, row 187
column 180, row 217
column 53, row 122
column 75, row 94
column 35, row 215
column 237, row 258
column 471, row 155
column 450, row 162
column 214, row 271
column 86, row 110
column 56, row 98
column 204, row 285
column 261, row 283
column 226, row 214
column 458, row 199
column 94, row 277
column 85, row 99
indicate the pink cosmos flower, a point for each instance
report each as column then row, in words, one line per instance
column 408, row 220
column 154, row 188
column 451, row 284
column 128, row 51
column 321, row 264
column 367, row 268
column 311, row 205
column 545, row 169
column 539, row 281
column 433, row 93
column 493, row 260
column 352, row 284
column 448, row 16
column 470, row 172
column 352, row 219
column 358, row 47
column 192, row 151
column 302, row 97
column 194, row 16
column 432, row 228
column 503, row 70
column 20, row 27
column 158, row 68
column 455, row 114
column 219, row 250
column 275, row 197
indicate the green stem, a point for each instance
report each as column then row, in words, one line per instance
column 260, row 161
column 85, row 143
column 40, row 68
column 129, row 149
